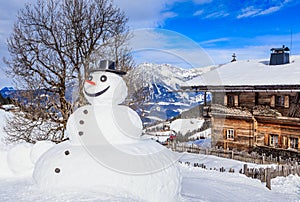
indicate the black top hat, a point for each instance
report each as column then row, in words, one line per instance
column 107, row 66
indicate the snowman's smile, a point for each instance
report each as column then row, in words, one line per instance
column 96, row 94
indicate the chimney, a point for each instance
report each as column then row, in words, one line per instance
column 280, row 56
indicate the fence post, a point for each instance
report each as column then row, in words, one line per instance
column 268, row 178
column 246, row 170
column 232, row 154
column 262, row 174
column 285, row 171
column 263, row 158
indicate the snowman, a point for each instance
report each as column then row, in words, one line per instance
column 106, row 150
column 105, row 90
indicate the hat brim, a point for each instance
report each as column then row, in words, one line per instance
column 119, row 72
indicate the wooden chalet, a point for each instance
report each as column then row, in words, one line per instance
column 254, row 105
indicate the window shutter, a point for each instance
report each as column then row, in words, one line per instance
column 236, row 100
column 266, row 139
column 286, row 101
column 284, row 142
column 272, row 102
column 225, row 100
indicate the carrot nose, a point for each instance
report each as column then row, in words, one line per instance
column 91, row 82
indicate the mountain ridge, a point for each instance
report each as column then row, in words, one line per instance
column 154, row 90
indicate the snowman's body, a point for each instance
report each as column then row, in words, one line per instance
column 106, row 149
column 114, row 123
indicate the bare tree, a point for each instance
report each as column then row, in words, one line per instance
column 52, row 46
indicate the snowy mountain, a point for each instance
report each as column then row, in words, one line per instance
column 154, row 90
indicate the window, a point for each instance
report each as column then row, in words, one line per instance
column 279, row 100
column 274, row 140
column 230, row 101
column 294, row 143
column 230, row 134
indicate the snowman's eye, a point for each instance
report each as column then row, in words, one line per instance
column 90, row 78
column 103, row 78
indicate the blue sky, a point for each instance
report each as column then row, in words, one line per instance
column 195, row 30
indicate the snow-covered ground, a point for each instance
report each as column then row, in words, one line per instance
column 203, row 134
column 184, row 126
column 197, row 184
column 208, row 185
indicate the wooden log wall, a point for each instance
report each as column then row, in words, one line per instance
column 243, row 133
column 247, row 100
column 283, row 131
column 251, row 99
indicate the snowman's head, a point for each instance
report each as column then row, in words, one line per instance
column 103, row 87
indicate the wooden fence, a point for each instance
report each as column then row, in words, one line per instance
column 284, row 167
column 231, row 154
column 263, row 174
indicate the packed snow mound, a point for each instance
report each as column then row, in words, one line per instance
column 38, row 149
column 19, row 159
column 5, row 171
column 69, row 166
column 3, row 117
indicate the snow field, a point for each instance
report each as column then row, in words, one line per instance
column 197, row 185
column 185, row 125
column 209, row 185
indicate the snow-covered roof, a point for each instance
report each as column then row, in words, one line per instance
column 251, row 73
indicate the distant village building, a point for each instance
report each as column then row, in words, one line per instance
column 254, row 105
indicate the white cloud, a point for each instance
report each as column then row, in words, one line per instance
column 165, row 46
column 201, row 2
column 146, row 13
column 248, row 12
column 169, row 15
column 213, row 41
column 199, row 12
column 263, row 9
column 269, row 10
column 218, row 14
